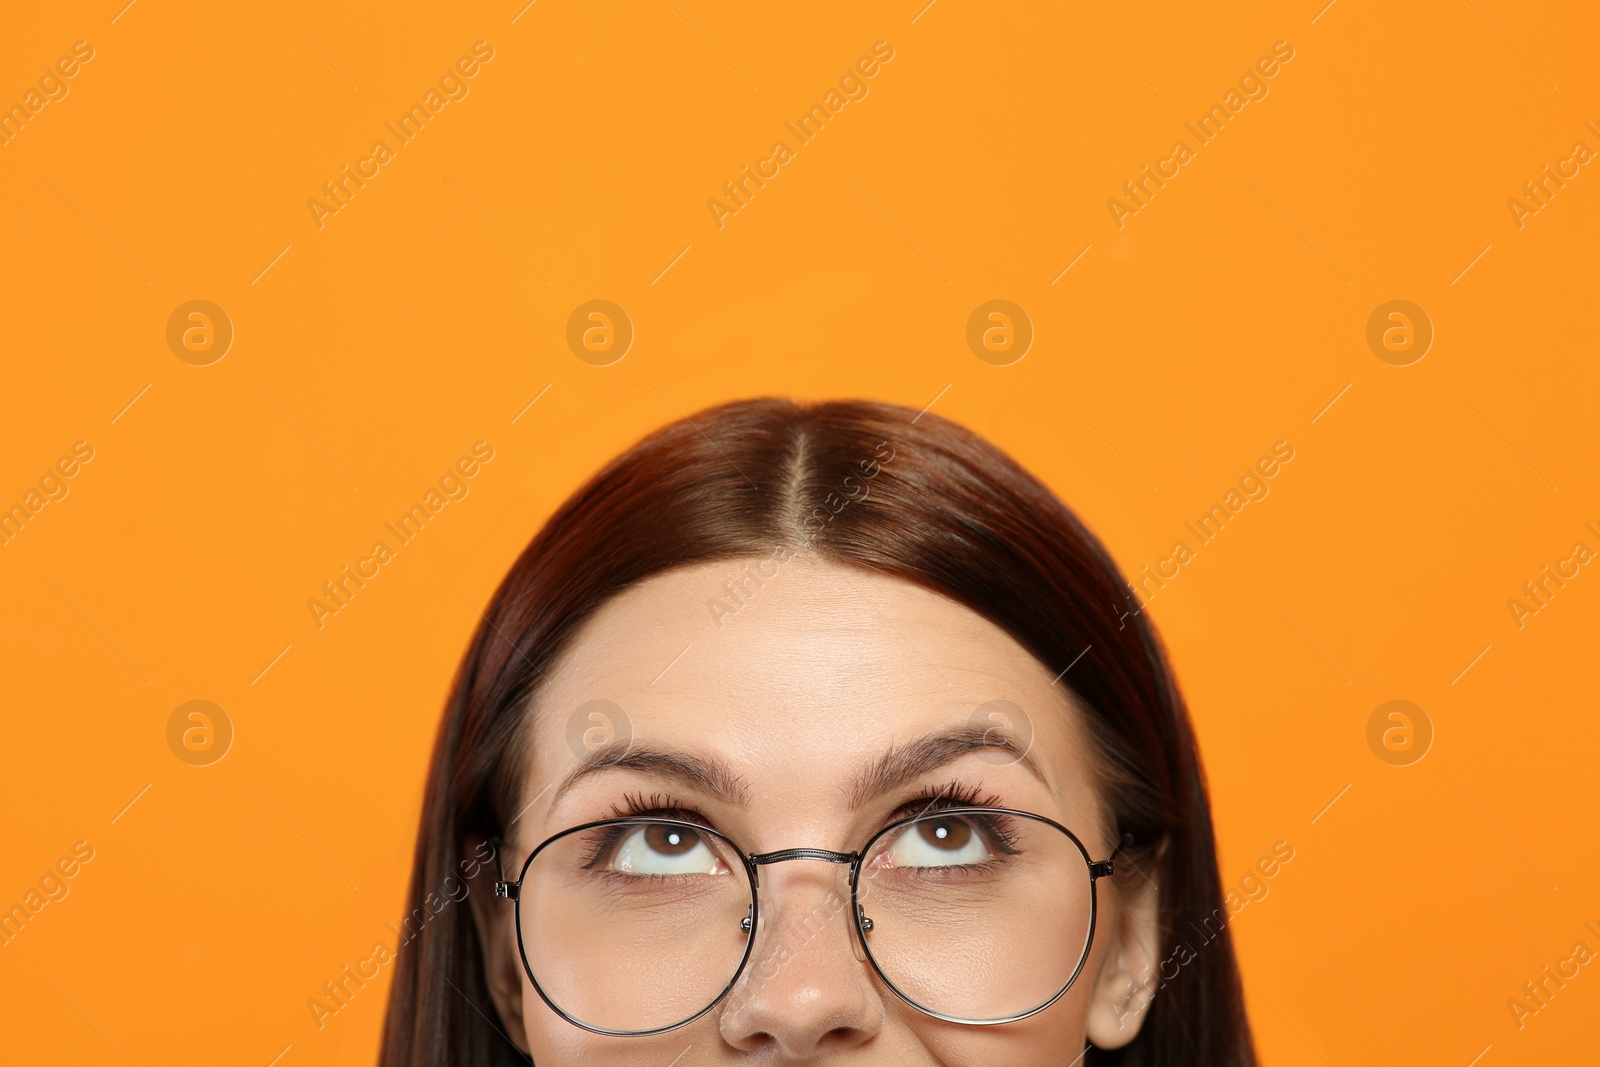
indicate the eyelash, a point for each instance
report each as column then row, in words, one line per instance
column 660, row 804
column 952, row 794
column 657, row 804
column 997, row 828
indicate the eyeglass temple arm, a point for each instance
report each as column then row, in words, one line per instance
column 1104, row 868
column 502, row 888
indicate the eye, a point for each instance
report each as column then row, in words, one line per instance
column 665, row 850
column 937, row 842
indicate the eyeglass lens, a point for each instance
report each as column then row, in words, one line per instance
column 638, row 925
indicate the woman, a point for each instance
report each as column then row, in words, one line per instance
column 815, row 733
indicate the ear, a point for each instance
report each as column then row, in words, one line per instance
column 1126, row 980
column 495, row 920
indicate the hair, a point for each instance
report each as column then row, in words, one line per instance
column 946, row 510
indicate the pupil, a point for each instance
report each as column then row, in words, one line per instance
column 946, row 834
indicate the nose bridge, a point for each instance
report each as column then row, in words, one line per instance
column 758, row 860
column 762, row 859
column 809, row 887
column 844, row 889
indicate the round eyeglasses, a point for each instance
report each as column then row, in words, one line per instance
column 634, row 926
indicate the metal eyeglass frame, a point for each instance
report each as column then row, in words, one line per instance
column 753, row 861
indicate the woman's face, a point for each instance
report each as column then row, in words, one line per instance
column 784, row 718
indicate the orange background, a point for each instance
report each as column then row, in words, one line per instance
column 428, row 312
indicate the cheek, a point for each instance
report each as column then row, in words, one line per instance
column 553, row 1040
column 1034, row 1042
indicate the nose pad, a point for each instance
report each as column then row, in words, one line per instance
column 858, row 931
column 858, row 942
column 798, row 994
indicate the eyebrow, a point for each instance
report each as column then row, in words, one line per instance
column 704, row 773
column 902, row 765
column 898, row 767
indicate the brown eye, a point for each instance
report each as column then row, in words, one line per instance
column 665, row 849
column 670, row 840
column 946, row 834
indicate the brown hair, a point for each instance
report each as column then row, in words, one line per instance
column 948, row 511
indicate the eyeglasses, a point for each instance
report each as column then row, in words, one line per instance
column 635, row 926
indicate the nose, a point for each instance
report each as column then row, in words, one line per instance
column 805, row 993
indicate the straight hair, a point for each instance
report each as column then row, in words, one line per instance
column 942, row 508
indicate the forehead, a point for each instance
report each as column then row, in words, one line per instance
column 795, row 675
